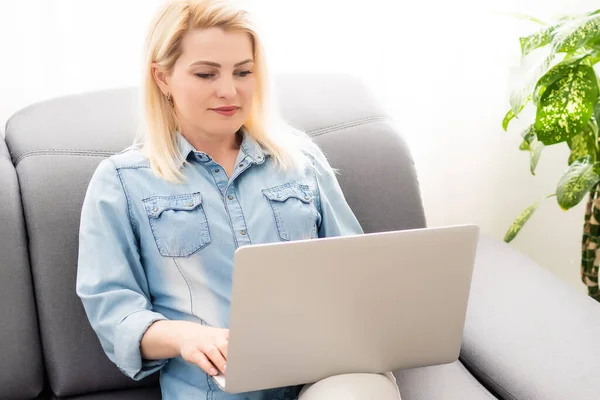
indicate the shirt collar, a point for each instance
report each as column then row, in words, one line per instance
column 249, row 147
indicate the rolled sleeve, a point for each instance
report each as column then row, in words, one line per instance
column 337, row 219
column 128, row 336
column 111, row 281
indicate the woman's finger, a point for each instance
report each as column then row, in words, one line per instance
column 222, row 345
column 216, row 357
column 200, row 359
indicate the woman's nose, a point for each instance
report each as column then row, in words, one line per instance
column 226, row 88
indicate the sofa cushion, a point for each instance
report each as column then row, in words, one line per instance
column 147, row 393
column 528, row 335
column 440, row 382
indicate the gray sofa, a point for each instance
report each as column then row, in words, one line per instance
column 527, row 335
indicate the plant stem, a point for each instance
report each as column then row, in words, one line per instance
column 590, row 249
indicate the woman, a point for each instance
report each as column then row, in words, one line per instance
column 160, row 222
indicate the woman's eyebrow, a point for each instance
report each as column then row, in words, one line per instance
column 217, row 65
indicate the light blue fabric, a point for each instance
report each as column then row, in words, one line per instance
column 152, row 250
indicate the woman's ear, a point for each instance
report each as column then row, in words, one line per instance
column 161, row 78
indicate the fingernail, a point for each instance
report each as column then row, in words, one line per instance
column 225, row 367
column 213, row 371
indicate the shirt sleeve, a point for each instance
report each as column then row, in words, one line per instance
column 111, row 281
column 337, row 219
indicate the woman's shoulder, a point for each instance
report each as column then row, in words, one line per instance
column 130, row 158
column 317, row 157
column 108, row 171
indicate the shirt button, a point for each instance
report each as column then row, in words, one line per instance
column 191, row 204
column 241, row 165
column 155, row 209
column 230, row 197
column 306, row 198
column 217, row 171
column 243, row 232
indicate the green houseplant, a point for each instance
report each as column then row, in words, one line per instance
column 564, row 90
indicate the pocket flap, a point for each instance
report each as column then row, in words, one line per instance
column 284, row 192
column 183, row 202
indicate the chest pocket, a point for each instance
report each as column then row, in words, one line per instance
column 178, row 224
column 294, row 209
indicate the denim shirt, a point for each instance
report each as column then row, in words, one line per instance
column 151, row 250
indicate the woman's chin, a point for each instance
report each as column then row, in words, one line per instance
column 224, row 129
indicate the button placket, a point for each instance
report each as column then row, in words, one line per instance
column 219, row 175
column 236, row 216
column 234, row 208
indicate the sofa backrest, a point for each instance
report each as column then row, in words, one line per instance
column 21, row 370
column 56, row 146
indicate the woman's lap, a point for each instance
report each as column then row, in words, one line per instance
column 353, row 387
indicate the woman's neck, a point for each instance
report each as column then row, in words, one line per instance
column 214, row 145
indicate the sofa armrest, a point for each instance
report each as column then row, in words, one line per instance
column 528, row 335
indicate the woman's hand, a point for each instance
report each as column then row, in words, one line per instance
column 202, row 345
column 206, row 347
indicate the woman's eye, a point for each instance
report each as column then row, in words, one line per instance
column 241, row 74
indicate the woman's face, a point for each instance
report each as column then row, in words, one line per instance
column 214, row 71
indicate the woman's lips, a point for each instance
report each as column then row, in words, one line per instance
column 227, row 111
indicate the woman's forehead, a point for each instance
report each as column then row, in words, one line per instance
column 216, row 45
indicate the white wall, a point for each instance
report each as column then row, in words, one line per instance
column 450, row 102
column 442, row 69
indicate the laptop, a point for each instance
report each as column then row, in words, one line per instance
column 306, row 310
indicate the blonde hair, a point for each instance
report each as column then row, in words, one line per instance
column 287, row 145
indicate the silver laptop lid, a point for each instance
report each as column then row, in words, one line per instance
column 303, row 311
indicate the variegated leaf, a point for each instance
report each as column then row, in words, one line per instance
column 566, row 106
column 592, row 56
column 528, row 136
column 534, row 146
column 526, row 17
column 507, row 118
column 521, row 96
column 577, row 181
column 576, row 34
column 554, row 74
column 539, row 39
column 521, row 220
column 510, row 115
column 584, row 145
column 567, row 31
column 535, row 153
